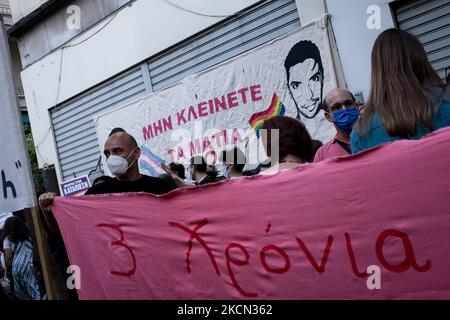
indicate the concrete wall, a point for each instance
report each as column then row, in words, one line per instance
column 15, row 54
column 5, row 12
column 355, row 40
column 310, row 10
column 17, row 69
column 21, row 8
column 136, row 33
column 63, row 25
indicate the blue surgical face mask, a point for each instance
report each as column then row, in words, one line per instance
column 345, row 119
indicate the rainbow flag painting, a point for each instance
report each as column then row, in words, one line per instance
column 276, row 108
column 150, row 162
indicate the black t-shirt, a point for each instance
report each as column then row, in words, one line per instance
column 144, row 184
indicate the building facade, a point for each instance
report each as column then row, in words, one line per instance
column 84, row 57
column 6, row 16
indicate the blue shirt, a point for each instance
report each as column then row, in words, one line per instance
column 378, row 134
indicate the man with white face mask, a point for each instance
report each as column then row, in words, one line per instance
column 122, row 154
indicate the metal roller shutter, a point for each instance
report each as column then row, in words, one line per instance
column 74, row 131
column 429, row 20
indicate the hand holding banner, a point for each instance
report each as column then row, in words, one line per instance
column 369, row 226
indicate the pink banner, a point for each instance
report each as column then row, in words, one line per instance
column 370, row 226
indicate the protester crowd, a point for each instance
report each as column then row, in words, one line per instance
column 407, row 101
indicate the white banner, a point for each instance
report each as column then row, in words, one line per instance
column 16, row 185
column 224, row 105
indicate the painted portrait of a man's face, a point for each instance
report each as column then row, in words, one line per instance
column 304, row 73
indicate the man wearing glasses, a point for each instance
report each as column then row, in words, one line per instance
column 341, row 109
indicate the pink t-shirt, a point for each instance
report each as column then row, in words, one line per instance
column 330, row 149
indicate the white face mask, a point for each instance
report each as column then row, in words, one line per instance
column 118, row 165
